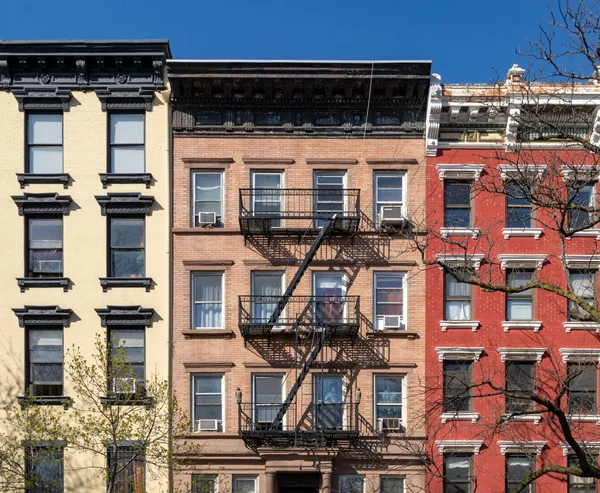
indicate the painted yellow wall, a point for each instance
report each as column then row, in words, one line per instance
column 85, row 156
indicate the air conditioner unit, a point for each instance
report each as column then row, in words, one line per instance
column 389, row 424
column 48, row 266
column 207, row 424
column 123, row 385
column 392, row 321
column 392, row 215
column 205, row 218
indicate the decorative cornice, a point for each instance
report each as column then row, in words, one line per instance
column 125, row 315
column 452, row 353
column 472, row 446
column 43, row 315
column 465, row 171
column 42, row 203
column 25, row 179
column 580, row 173
column 534, row 325
column 125, row 282
column 449, row 232
column 473, row 325
column 583, row 261
column 459, row 416
column 581, row 325
column 511, row 171
column 432, row 125
column 579, row 354
column 522, row 447
column 535, row 232
column 43, row 282
column 588, row 446
column 125, row 203
column 110, row 178
column 521, row 354
column 521, row 260
column 470, row 260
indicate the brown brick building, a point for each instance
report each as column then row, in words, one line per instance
column 282, row 169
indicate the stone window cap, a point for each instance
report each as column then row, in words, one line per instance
column 521, row 260
column 459, row 324
column 581, row 325
column 583, row 261
column 472, row 417
column 526, row 447
column 588, row 446
column 584, row 418
column 43, row 316
column 449, row 353
column 125, row 203
column 580, row 173
column 472, row 260
column 465, row 171
column 535, row 232
column 534, row 418
column 125, row 315
column 42, row 203
column 512, row 171
column 472, row 446
column 593, row 232
column 448, row 232
column 534, row 325
column 521, row 354
column 579, row 354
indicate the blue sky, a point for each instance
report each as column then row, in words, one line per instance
column 466, row 39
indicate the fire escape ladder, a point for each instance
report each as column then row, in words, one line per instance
column 301, row 270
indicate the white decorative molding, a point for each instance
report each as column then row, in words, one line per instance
column 472, row 446
column 566, row 448
column 472, row 417
column 523, row 354
column 459, row 324
column 584, row 418
column 507, row 446
column 580, row 173
column 472, row 232
column 579, row 354
column 595, row 137
column 469, row 171
column 512, row 127
column 459, row 353
column 592, row 232
column 511, row 171
column 534, row 418
column 534, row 325
column 535, row 232
column 582, row 325
column 583, row 261
column 472, row 260
column 508, row 260
column 432, row 124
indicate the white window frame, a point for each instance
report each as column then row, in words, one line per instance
column 378, row 319
column 342, row 476
column 324, row 273
column 29, row 134
column 238, row 477
column 194, row 302
column 404, row 403
column 193, row 394
column 283, row 394
column 342, row 173
column 258, row 273
column 281, row 175
column 111, row 145
column 221, row 174
column 377, row 202
column 344, row 394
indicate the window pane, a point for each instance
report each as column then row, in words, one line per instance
column 45, row 160
column 127, row 263
column 203, row 484
column 392, row 485
column 519, row 310
column 127, row 159
column 264, row 180
column 583, row 284
column 45, row 233
column 457, row 218
column 389, row 390
column 457, row 467
column 207, row 287
column 352, row 484
column 208, row 187
column 457, row 288
column 45, row 129
column 245, row 485
column 127, row 129
column 45, row 346
column 208, row 384
column 389, row 188
column 457, row 193
column 127, row 233
column 45, row 470
column 131, row 342
column 207, row 315
column 267, row 389
column 516, row 195
column 518, row 218
column 458, row 310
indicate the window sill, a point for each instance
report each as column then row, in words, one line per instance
column 401, row 333
column 43, row 282
column 530, row 232
column 521, row 324
column 459, row 324
column 570, row 326
column 472, row 232
column 25, row 179
column 584, row 418
column 535, row 418
column 125, row 282
column 225, row 334
column 111, row 178
column 472, row 417
column 206, row 231
column 126, row 401
column 60, row 400
column 593, row 233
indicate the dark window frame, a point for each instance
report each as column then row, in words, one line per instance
column 28, row 145
column 28, row 269
column 140, row 386
column 468, row 206
column 110, row 146
column 450, row 487
column 198, row 483
column 581, row 488
column 532, row 466
column 109, row 266
column 520, row 295
column 137, row 455
column 29, row 364
column 591, row 394
column 509, row 401
column 447, row 408
column 572, row 197
column 56, row 452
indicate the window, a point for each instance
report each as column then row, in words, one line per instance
column 389, row 191
column 520, row 381
column 388, row 403
column 457, row 204
column 126, row 143
column 458, row 299
column 329, row 289
column 44, row 469
column 457, row 386
column 267, row 288
column 581, row 196
column 391, row 484
column 518, row 467
column 127, row 468
column 208, row 300
column 45, row 247
column 204, row 484
column 45, row 143
column 518, row 208
column 208, row 402
column 127, row 362
column 208, row 198
column 329, row 402
column 267, row 195
column 127, row 256
column 583, row 283
column 268, row 398
column 45, row 362
column 352, row 484
column 245, row 484
column 519, row 306
column 389, row 301
column 329, row 194
column 457, row 473
column 578, row 484
column 583, row 388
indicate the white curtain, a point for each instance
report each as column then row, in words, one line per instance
column 208, row 300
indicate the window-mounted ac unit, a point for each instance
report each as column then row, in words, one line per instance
column 389, row 424
column 205, row 218
column 392, row 215
column 123, row 385
column 47, row 266
column 392, row 321
column 207, row 424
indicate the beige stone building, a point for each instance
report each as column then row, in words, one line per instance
column 84, row 127
column 298, row 307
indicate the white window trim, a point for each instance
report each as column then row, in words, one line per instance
column 534, row 232
column 450, row 171
column 223, row 411
column 508, row 171
column 364, row 478
column 471, row 260
column 521, row 447
column 236, row 477
column 584, row 418
column 567, row 450
column 206, row 171
column 403, row 415
column 281, row 174
column 534, row 325
column 581, row 325
column 404, row 277
column 579, row 354
column 283, row 394
column 521, row 354
column 459, row 416
column 589, row 262
column 516, row 260
column 470, row 446
column 458, row 353
column 472, row 232
column 208, row 273
column 402, row 203
column 459, row 324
